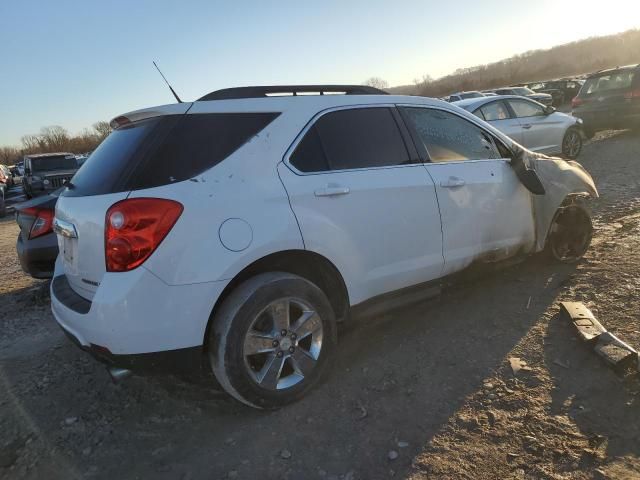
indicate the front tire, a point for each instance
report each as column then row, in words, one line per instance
column 570, row 234
column 572, row 143
column 272, row 339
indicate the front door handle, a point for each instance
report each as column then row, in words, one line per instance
column 331, row 191
column 452, row 182
column 526, row 126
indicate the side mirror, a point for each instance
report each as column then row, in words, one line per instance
column 549, row 110
column 531, row 181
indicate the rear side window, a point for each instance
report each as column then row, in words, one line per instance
column 604, row 83
column 494, row 111
column 164, row 150
column 197, row 143
column 523, row 108
column 348, row 139
column 450, row 138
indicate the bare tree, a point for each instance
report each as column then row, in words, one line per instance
column 376, row 82
column 103, row 129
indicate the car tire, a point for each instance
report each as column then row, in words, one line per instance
column 570, row 233
column 263, row 315
column 572, row 143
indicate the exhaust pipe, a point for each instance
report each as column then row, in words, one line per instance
column 118, row 374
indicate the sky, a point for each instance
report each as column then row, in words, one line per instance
column 75, row 62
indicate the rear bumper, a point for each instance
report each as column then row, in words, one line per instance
column 38, row 256
column 135, row 320
column 603, row 120
column 183, row 360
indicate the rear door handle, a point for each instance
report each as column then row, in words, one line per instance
column 452, row 182
column 527, row 126
column 331, row 191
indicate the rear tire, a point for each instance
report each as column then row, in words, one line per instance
column 572, row 143
column 570, row 234
column 271, row 339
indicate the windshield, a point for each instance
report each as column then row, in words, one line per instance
column 59, row 162
column 522, row 91
column 471, row 95
column 604, row 83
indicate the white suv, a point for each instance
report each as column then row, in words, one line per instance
column 234, row 232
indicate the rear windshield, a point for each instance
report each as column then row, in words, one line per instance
column 163, row 150
column 604, row 83
column 59, row 162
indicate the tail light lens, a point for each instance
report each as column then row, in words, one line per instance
column 632, row 94
column 576, row 102
column 134, row 228
column 43, row 222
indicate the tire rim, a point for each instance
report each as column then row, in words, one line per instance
column 571, row 235
column 283, row 343
column 572, row 144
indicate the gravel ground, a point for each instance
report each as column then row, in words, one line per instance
column 422, row 392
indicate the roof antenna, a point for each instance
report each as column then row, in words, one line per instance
column 165, row 81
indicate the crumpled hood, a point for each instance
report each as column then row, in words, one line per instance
column 560, row 178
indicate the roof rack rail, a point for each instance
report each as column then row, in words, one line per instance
column 292, row 90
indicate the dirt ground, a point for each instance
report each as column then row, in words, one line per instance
column 423, row 392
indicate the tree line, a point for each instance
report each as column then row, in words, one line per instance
column 571, row 59
column 56, row 139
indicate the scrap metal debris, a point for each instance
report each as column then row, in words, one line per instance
column 616, row 353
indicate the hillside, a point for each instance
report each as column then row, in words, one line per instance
column 575, row 58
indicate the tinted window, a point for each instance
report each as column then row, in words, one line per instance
column 112, row 160
column 309, row 155
column 615, row 81
column 495, row 111
column 197, row 143
column 163, row 150
column 59, row 162
column 347, row 139
column 448, row 137
column 522, row 108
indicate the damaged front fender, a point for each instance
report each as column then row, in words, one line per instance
column 560, row 179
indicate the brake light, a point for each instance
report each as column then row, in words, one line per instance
column 134, row 228
column 119, row 122
column 632, row 94
column 576, row 102
column 43, row 222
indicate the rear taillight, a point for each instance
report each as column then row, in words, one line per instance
column 43, row 222
column 576, row 102
column 134, row 228
column 632, row 94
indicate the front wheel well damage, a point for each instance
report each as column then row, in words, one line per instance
column 309, row 265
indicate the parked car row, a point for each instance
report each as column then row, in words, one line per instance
column 539, row 128
column 292, row 243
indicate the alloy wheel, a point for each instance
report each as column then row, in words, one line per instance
column 283, row 343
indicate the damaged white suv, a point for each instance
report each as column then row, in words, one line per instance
column 234, row 232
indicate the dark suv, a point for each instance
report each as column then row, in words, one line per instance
column 609, row 99
column 46, row 172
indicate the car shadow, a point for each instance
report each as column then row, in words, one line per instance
column 603, row 404
column 398, row 377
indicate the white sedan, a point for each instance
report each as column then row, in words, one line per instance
column 539, row 128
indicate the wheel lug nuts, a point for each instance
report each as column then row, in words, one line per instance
column 283, row 333
column 291, row 349
column 293, row 336
column 280, row 353
column 276, row 343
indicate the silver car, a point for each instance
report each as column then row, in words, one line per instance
column 537, row 127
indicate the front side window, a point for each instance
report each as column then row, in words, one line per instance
column 522, row 108
column 450, row 138
column 604, row 83
column 495, row 111
column 348, row 139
